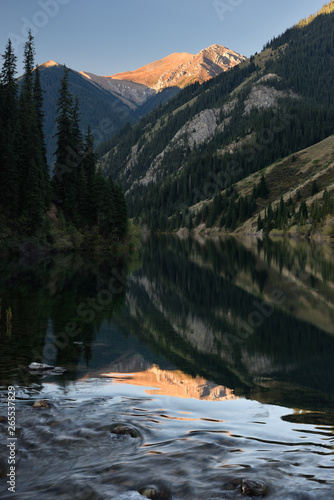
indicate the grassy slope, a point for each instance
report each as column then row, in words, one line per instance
column 286, row 177
column 295, row 173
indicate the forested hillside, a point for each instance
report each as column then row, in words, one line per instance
column 208, row 137
column 100, row 109
column 79, row 208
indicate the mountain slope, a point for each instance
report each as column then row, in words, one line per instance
column 290, row 179
column 313, row 164
column 278, row 102
column 149, row 74
column 101, row 109
column 133, row 94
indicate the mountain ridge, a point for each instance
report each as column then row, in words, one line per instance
column 181, row 69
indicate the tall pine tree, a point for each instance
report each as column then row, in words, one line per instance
column 89, row 171
column 32, row 167
column 38, row 99
column 9, row 195
column 66, row 168
column 119, row 211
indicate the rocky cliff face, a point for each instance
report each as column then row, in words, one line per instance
column 201, row 129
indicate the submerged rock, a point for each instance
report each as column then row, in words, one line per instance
column 156, row 492
column 40, row 404
column 44, row 368
column 125, row 430
column 148, row 492
column 40, row 366
column 252, row 488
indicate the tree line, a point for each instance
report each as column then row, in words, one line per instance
column 83, row 198
column 287, row 214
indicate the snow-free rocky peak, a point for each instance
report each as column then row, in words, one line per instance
column 181, row 69
column 49, row 64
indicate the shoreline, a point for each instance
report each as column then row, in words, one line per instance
column 315, row 237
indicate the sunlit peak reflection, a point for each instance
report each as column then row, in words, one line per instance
column 174, row 383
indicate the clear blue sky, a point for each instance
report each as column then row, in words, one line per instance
column 111, row 36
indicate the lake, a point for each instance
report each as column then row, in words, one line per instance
column 196, row 367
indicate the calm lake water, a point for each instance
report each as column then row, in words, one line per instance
column 217, row 354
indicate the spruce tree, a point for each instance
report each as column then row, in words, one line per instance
column 67, row 159
column 76, row 131
column 9, row 195
column 230, row 214
column 262, row 190
column 190, row 223
column 31, row 165
column 103, row 198
column 79, row 177
column 89, row 171
column 198, row 219
column 314, row 188
column 38, row 100
column 303, row 213
column 119, row 210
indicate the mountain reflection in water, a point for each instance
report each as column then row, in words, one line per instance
column 174, row 383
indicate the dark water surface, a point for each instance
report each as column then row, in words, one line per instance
column 217, row 354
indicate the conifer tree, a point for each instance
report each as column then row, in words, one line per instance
column 303, row 213
column 38, row 100
column 78, row 177
column 314, row 189
column 8, row 135
column 214, row 211
column 103, row 201
column 66, row 167
column 76, row 131
column 8, row 81
column 31, row 165
column 230, row 214
column 262, row 190
column 119, row 210
column 198, row 218
column 89, row 171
